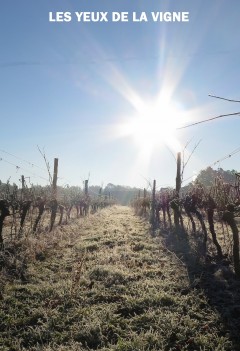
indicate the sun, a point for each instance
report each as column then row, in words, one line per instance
column 155, row 124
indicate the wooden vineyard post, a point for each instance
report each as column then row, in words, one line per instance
column 53, row 203
column 23, row 186
column 153, row 205
column 178, row 178
column 175, row 202
column 54, row 184
column 86, row 187
column 86, row 200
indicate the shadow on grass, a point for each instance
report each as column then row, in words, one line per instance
column 213, row 277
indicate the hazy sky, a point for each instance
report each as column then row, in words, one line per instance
column 99, row 96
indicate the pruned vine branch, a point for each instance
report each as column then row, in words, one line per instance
column 42, row 152
column 210, row 119
column 222, row 98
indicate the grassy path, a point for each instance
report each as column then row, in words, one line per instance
column 104, row 283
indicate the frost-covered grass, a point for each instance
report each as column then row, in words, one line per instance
column 104, row 283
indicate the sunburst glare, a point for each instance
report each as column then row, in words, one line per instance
column 155, row 125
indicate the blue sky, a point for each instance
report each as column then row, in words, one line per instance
column 69, row 88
